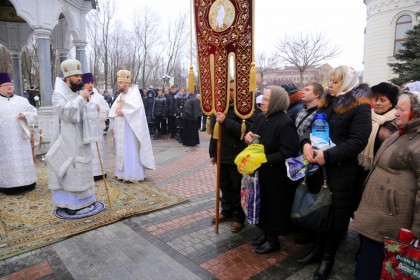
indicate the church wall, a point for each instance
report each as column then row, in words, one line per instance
column 379, row 36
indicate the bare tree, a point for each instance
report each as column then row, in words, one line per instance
column 265, row 62
column 304, row 50
column 148, row 40
column 106, row 21
column 5, row 60
column 176, row 40
column 30, row 63
column 94, row 38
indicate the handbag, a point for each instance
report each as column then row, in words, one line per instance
column 312, row 211
column 250, row 197
column 402, row 260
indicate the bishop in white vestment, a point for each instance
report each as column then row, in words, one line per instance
column 70, row 178
column 128, row 125
column 103, row 111
column 16, row 160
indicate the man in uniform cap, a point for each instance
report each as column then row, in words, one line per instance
column 16, row 161
column 128, row 126
column 70, row 178
column 103, row 111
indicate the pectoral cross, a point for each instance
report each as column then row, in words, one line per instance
column 120, row 104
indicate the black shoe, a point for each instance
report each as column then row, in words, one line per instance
column 312, row 257
column 267, row 247
column 69, row 211
column 259, row 240
column 323, row 270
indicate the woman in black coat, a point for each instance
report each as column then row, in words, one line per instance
column 347, row 106
column 278, row 134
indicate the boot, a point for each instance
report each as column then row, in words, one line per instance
column 271, row 245
column 325, row 267
column 313, row 256
column 259, row 240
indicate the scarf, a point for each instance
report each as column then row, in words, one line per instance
column 366, row 156
column 350, row 81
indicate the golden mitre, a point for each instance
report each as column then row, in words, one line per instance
column 124, row 76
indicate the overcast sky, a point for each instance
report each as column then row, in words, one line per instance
column 341, row 21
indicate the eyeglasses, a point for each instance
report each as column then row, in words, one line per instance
column 6, row 85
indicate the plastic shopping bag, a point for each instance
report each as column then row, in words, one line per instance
column 250, row 159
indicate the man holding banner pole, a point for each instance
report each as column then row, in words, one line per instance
column 224, row 30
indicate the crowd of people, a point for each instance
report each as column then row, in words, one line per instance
column 173, row 113
column 372, row 169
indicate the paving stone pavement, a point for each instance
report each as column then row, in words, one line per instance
column 174, row 243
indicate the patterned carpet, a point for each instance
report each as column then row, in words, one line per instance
column 27, row 221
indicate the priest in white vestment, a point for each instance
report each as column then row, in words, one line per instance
column 17, row 116
column 70, row 175
column 98, row 163
column 128, row 126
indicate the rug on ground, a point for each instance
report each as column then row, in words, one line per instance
column 27, row 220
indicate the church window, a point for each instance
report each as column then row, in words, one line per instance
column 404, row 23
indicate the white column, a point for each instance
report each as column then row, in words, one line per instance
column 81, row 54
column 17, row 72
column 44, row 56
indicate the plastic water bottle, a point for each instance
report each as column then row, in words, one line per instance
column 320, row 129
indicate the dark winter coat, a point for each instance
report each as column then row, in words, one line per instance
column 231, row 143
column 296, row 104
column 179, row 104
column 281, row 141
column 170, row 104
column 148, row 107
column 192, row 109
column 350, row 123
column 160, row 106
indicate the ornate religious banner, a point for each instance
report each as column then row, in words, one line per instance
column 224, row 30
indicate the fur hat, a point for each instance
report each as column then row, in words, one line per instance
column 291, row 88
column 4, row 78
column 124, row 76
column 71, row 67
column 388, row 90
column 88, row 78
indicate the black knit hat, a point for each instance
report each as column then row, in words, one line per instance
column 291, row 88
column 388, row 90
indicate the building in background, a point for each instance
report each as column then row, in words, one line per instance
column 387, row 22
column 290, row 74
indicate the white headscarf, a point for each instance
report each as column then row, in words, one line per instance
column 351, row 80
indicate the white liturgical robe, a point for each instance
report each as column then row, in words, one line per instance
column 103, row 112
column 133, row 147
column 16, row 161
column 74, row 188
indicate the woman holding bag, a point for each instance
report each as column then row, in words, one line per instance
column 391, row 198
column 278, row 135
column 347, row 108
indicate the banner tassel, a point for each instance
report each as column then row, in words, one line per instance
column 243, row 129
column 253, row 78
column 216, row 131
column 208, row 131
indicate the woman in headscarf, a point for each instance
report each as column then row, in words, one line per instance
column 391, row 197
column 347, row 107
column 278, row 134
column 385, row 97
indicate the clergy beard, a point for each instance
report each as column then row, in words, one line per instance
column 122, row 90
column 76, row 87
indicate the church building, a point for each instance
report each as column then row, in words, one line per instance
column 386, row 24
